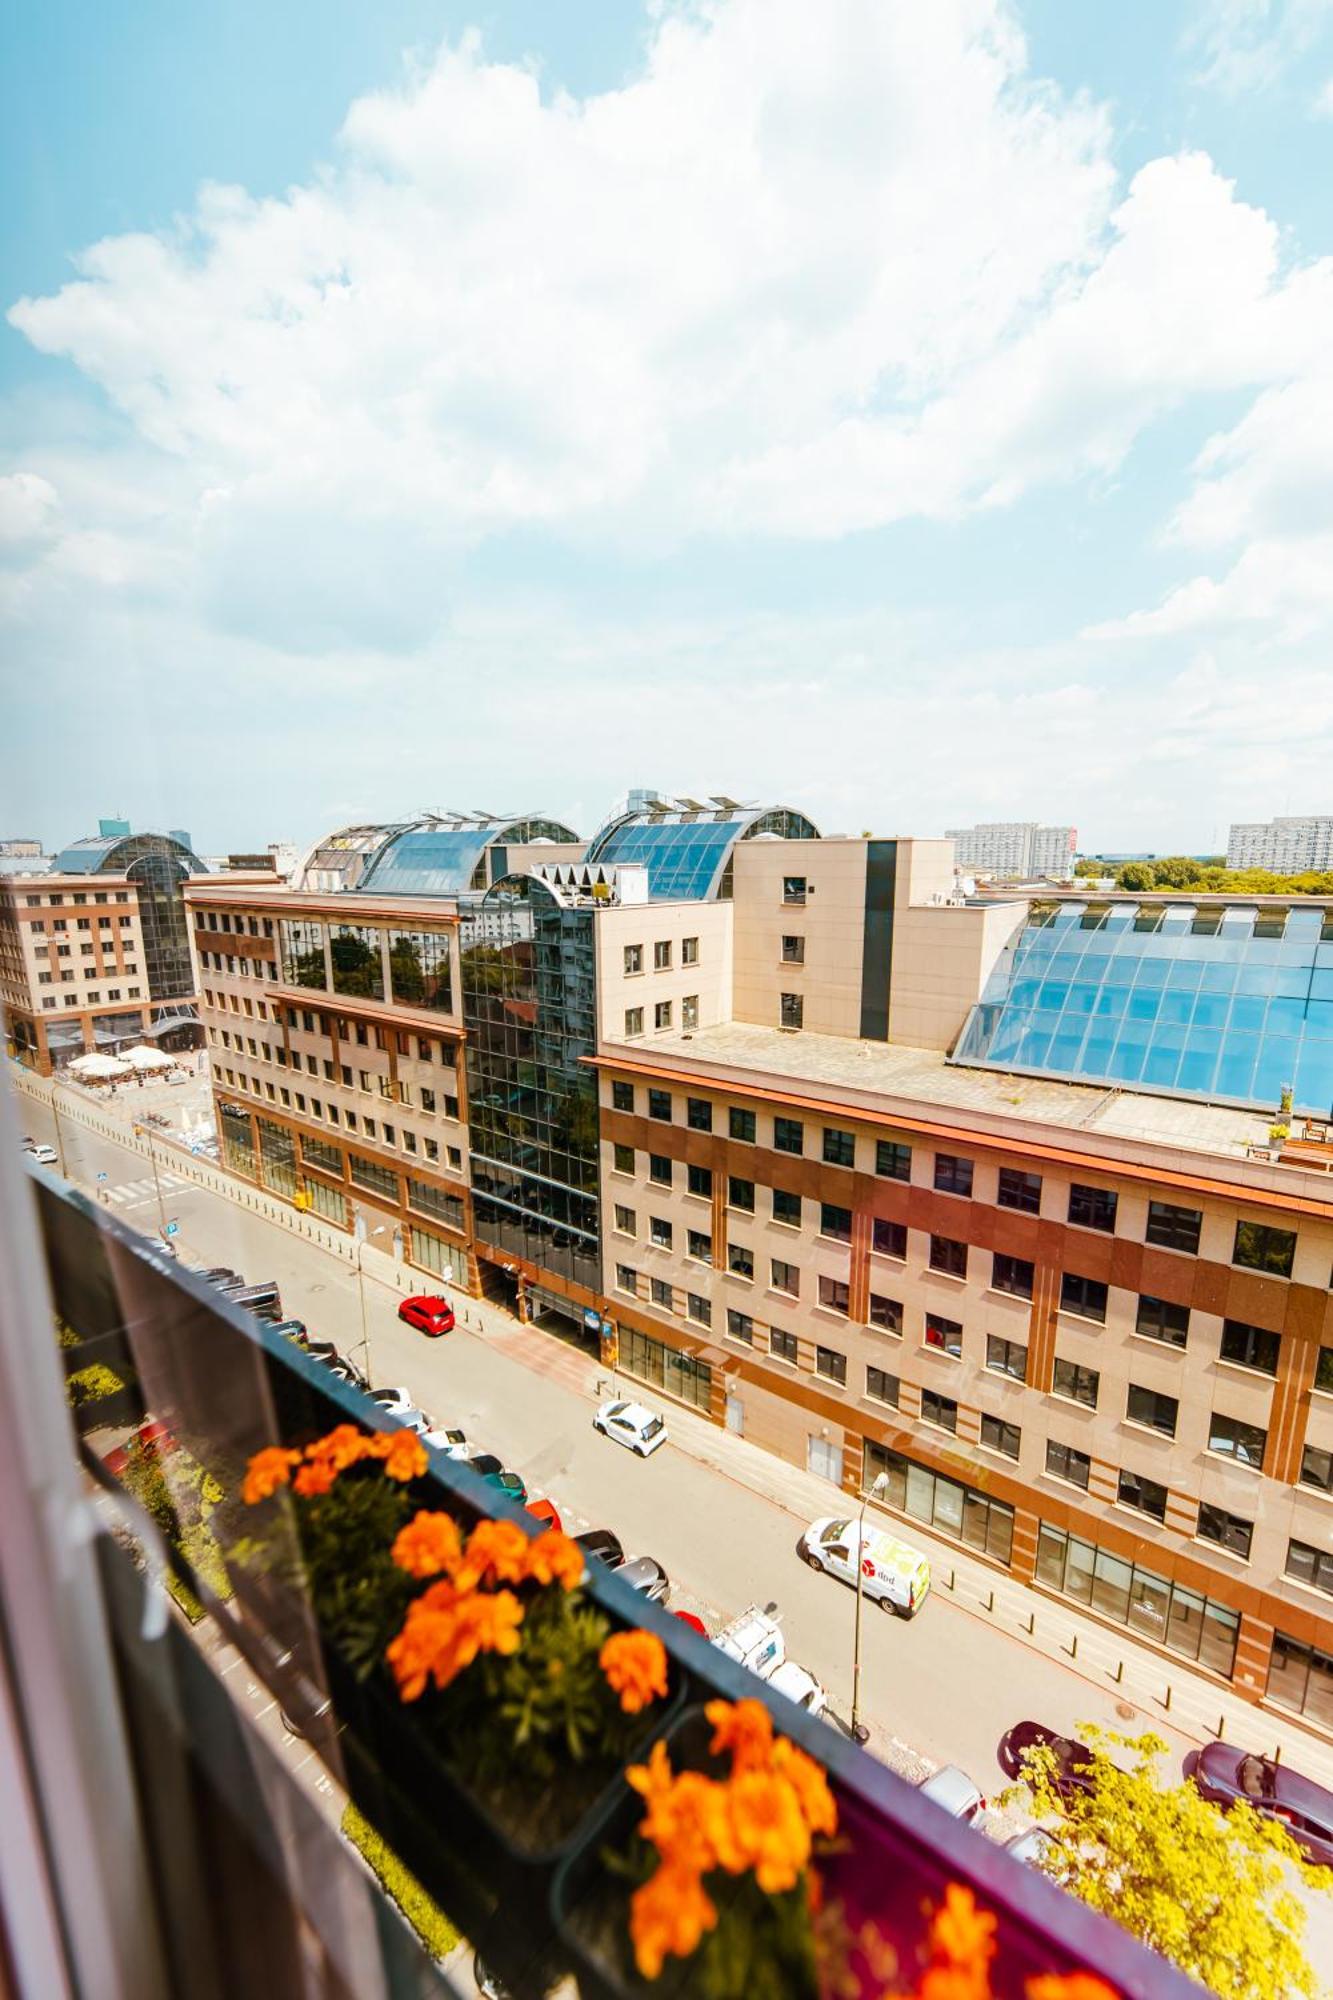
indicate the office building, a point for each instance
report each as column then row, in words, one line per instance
column 1286, row 846
column 1017, row 850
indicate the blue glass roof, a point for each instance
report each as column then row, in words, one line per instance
column 84, row 857
column 686, row 854
column 1228, row 1004
column 106, row 853
column 437, row 861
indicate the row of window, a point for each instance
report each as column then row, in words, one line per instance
column 662, row 955
column 382, row 1132
column 1256, row 1246
column 365, row 1034
column 79, row 897
column 663, row 1016
column 371, row 1082
column 80, row 924
column 253, row 926
column 254, row 968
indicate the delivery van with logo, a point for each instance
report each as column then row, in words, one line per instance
column 893, row 1573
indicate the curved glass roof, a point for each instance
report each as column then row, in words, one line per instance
column 1231, row 1003
column 442, row 859
column 112, row 854
column 686, row 848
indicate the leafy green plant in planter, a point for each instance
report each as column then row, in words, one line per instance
column 92, row 1385
column 182, row 1502
column 400, row 1885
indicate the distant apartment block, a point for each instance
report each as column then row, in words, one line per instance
column 1019, row 849
column 1287, row 846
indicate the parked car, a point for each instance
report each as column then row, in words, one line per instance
column 1224, row 1774
column 646, row 1574
column 295, row 1329
column 428, row 1313
column 545, row 1512
column 489, row 1984
column 337, row 1364
column 955, row 1791
column 1032, row 1845
column 695, row 1624
column 154, row 1438
column 45, row 1156
column 1073, row 1770
column 893, row 1573
column 602, row 1546
column 754, row 1640
column 219, row 1274
column 800, row 1686
column 498, row 1475
column 631, row 1425
column 453, row 1443
column 393, row 1400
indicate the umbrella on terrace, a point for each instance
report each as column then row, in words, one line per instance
column 102, row 1068
column 142, row 1057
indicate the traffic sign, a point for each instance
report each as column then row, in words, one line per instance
column 171, row 1229
column 101, row 1177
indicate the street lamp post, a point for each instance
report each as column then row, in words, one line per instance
column 361, row 1290
column 860, row 1734
column 142, row 1132
column 55, row 1113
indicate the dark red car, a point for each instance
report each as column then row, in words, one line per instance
column 1073, row 1762
column 1224, row 1774
column 695, row 1624
column 428, row 1314
column 155, row 1439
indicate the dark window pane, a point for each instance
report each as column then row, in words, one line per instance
column 948, row 1256
column 1158, row 1319
column 740, row 1194
column 1148, row 1406
column 886, row 1313
column 940, row 1410
column 953, row 1175
column 998, row 1435
column 831, row 1364
column 788, row 1135
column 699, row 1180
column 1229, row 1531
column 786, row 1206
column 1006, row 1357
column 699, row 1114
column 1080, row 1384
column 741, row 1125
column 1084, row 1296
column 889, row 1238
column 1020, row 1190
column 835, row 1222
column 1243, row 1442
column 892, row 1160
column 839, row 1147
column 783, row 1345
column 1173, row 1228
column 1092, row 1207
column 1145, row 1494
column 1012, row 1274
column 1261, row 1248
column 946, row 1334
column 1250, row 1346
column 882, row 1387
column 622, row 1096
column 1064, row 1462
column 659, row 1104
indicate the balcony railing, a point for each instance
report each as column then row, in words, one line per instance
column 537, row 1892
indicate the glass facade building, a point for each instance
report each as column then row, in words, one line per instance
column 1232, row 1003
column 688, row 852
column 158, row 866
column 530, row 1011
column 449, row 860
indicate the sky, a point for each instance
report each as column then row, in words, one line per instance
column 912, row 415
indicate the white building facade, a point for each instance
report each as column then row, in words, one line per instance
column 1017, row 848
column 1287, row 846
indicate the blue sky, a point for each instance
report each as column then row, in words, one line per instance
column 915, row 416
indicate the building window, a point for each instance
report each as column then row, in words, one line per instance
column 1164, row 1612
column 882, row 1387
column 1159, row 1319
column 1173, row 1228
column 689, row 1012
column 371, row 1175
column 662, row 1014
column 740, row 1194
column 1019, row 1190
column 1148, row 1406
column 633, row 958
column 698, row 1114
column 887, row 1314
column 662, row 955
column 782, row 1346
column 622, row 1097
column 786, row 1207
column 699, row 1245
column 793, row 951
column 420, row 970
column 739, row 1325
column 959, row 1511
column 788, row 1135
column 889, row 1239
column 633, row 1022
column 1147, row 1495
column 659, row 1105
column 1006, row 1357
column 1092, row 1207
column 661, row 1294
column 623, row 1157
column 953, row 1175
column 689, row 951
column 699, row 1309
column 1308, row 1565
column 740, row 1125
column 1300, row 1678
column 1079, row 1384
column 791, row 1010
column 944, row 1334
column 659, row 1169
column 429, row 1200
column 624, row 1220
column 831, row 1365
column 839, row 1147
column 893, row 1161
column 949, row 1256
column 683, row 1376
column 1011, row 1274
column 941, row 1411
column 1259, row 1247
column 834, row 1295
column 785, row 1277
column 997, row 1435
column 1064, row 1462
column 793, row 889
column 699, row 1180
column 1229, row 1531
column 1084, row 1296
column 1234, row 1439
column 659, row 1232
column 1250, row 1346
column 740, row 1260
column 1323, row 1370
column 835, row 1222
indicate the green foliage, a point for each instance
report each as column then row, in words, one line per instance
column 92, row 1385
column 66, row 1336
column 427, row 1919
column 552, row 1695
column 1279, row 1134
column 1208, row 1890
column 359, row 1593
column 180, row 1497
column 1182, row 871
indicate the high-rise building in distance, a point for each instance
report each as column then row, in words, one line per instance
column 1016, row 848
column 1287, row 846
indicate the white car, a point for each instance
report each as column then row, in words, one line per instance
column 631, row 1425
column 45, row 1156
column 395, row 1401
column 955, row 1791
column 451, row 1442
column 799, row 1686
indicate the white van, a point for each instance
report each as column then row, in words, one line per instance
column 893, row 1573
column 753, row 1640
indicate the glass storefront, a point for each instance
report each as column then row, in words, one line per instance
column 328, row 1202
column 1163, row 1612
column 680, row 1375
column 961, row 1511
column 1300, row 1678
column 419, row 969
column 432, row 1253
column 369, row 1174
column 277, row 1156
column 237, row 1142
column 430, row 1200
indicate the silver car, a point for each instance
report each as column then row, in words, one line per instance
column 955, row 1791
column 646, row 1574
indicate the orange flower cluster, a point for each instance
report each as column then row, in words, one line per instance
column 762, row 1818
column 635, row 1665
column 444, row 1631
column 401, row 1453
column 960, row 1945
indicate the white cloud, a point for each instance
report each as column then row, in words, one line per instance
column 29, row 511
column 1248, row 45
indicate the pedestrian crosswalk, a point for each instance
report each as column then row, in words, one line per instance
column 129, row 1194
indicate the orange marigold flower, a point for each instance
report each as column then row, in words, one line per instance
column 428, row 1546
column 745, row 1728
column 267, row 1471
column 555, row 1558
column 340, row 1447
column 1069, row 1986
column 770, row 1830
column 811, row 1787
column 314, row 1478
column 654, row 1779
column 635, row 1665
column 406, row 1458
column 668, row 1915
column 961, row 1934
column 497, row 1552
column 444, row 1632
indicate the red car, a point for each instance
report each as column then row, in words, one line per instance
column 695, row 1624
column 154, row 1438
column 544, row 1511
column 1224, row 1774
column 428, row 1314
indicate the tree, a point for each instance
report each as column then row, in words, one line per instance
column 1137, row 875
column 1209, row 1890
